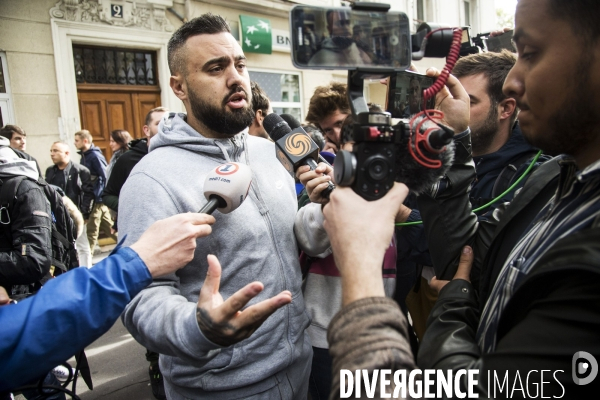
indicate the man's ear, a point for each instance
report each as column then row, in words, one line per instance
column 507, row 108
column 177, row 83
column 146, row 130
column 259, row 117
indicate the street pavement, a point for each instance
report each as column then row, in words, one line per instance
column 117, row 362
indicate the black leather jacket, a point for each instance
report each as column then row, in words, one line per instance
column 552, row 314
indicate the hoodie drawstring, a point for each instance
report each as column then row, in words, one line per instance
column 223, row 149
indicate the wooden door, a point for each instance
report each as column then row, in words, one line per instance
column 104, row 108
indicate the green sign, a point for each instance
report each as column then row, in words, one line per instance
column 256, row 34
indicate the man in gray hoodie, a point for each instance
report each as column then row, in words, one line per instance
column 208, row 347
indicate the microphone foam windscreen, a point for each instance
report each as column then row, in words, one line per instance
column 292, row 122
column 276, row 126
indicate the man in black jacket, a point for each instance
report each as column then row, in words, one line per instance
column 74, row 179
column 137, row 149
column 538, row 330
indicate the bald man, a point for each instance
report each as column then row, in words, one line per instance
column 74, row 179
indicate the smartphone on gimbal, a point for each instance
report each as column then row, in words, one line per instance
column 405, row 94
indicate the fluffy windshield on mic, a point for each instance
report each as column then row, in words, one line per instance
column 276, row 126
column 417, row 177
column 292, row 122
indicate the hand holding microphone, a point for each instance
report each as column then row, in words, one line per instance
column 295, row 148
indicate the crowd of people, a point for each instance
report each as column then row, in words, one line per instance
column 276, row 299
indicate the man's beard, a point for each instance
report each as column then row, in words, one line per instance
column 574, row 126
column 218, row 119
column 483, row 136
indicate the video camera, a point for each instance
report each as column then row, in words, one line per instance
column 485, row 41
column 370, row 41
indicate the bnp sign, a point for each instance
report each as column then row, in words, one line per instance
column 256, row 34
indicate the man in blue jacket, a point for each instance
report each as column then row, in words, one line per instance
column 93, row 159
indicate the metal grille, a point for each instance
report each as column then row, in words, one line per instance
column 114, row 66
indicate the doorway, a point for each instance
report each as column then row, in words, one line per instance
column 115, row 90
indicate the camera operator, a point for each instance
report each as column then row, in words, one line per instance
column 542, row 311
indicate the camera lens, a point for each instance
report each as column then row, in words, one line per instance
column 377, row 168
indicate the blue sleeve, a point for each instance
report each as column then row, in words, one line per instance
column 66, row 315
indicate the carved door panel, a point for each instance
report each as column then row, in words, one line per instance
column 102, row 111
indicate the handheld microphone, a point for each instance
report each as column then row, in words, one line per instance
column 294, row 124
column 294, row 148
column 226, row 187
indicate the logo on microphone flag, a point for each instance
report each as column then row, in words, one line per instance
column 227, row 169
column 298, row 144
column 256, row 34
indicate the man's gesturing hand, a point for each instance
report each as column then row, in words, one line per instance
column 223, row 322
column 169, row 244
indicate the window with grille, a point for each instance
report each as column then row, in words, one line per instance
column 283, row 90
column 115, row 66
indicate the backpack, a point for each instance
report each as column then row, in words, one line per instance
column 64, row 253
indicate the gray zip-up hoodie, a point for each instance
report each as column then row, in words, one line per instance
column 254, row 242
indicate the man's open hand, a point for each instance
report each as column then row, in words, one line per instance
column 223, row 322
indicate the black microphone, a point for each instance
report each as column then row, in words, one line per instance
column 226, row 187
column 294, row 148
column 294, row 123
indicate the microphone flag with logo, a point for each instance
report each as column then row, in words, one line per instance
column 293, row 148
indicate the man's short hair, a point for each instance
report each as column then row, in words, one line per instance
column 494, row 66
column 60, row 142
column 260, row 101
column 8, row 131
column 326, row 100
column 206, row 24
column 582, row 14
column 85, row 134
column 148, row 119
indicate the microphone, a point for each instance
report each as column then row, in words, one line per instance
column 294, row 148
column 424, row 158
column 294, row 123
column 226, row 187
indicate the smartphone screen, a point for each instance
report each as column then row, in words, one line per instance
column 342, row 38
column 497, row 43
column 405, row 94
